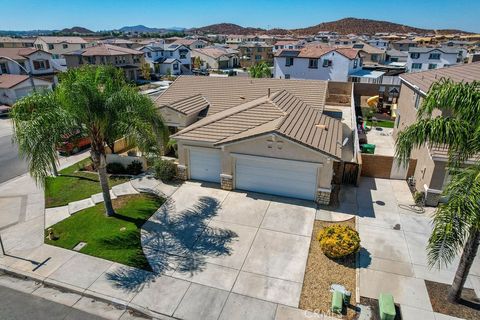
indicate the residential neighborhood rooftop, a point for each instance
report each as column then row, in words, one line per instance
column 8, row 81
column 104, row 49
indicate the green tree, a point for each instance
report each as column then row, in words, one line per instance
column 260, row 70
column 145, row 70
column 197, row 63
column 456, row 223
column 96, row 101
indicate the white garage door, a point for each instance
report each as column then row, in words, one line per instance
column 280, row 177
column 205, row 164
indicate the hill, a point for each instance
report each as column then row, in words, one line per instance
column 225, row 28
column 78, row 30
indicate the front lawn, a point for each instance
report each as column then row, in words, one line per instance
column 115, row 238
column 381, row 123
column 73, row 185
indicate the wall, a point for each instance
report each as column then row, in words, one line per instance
column 126, row 160
column 378, row 166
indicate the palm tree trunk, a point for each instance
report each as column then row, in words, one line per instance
column 54, row 169
column 100, row 162
column 466, row 261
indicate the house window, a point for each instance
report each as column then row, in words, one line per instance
column 327, row 63
column 355, row 64
column 288, row 61
column 175, row 66
column 393, row 59
column 287, row 76
column 374, row 57
column 65, row 46
column 434, row 56
column 416, row 66
column 258, row 57
column 41, row 64
column 3, row 67
column 91, row 60
column 432, row 66
column 50, row 47
column 415, row 55
column 313, row 63
column 82, row 46
column 149, row 54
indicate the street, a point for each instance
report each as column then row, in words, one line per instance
column 11, row 165
column 16, row 305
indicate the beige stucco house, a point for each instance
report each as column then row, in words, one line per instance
column 430, row 173
column 261, row 135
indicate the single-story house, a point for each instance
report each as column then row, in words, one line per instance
column 261, row 135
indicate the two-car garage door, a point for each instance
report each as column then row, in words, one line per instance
column 275, row 176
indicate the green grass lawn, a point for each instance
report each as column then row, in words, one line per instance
column 72, row 185
column 115, row 238
column 382, row 123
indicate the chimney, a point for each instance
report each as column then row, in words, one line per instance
column 268, row 92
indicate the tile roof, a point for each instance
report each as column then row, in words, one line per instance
column 225, row 93
column 461, row 72
column 48, row 39
column 215, row 52
column 17, row 53
column 317, row 51
column 281, row 113
column 189, row 105
column 16, row 40
column 104, row 49
column 8, row 81
column 447, row 50
column 186, row 42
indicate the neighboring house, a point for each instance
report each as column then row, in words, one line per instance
column 106, row 54
column 16, row 86
column 370, row 55
column 261, row 135
column 217, row 57
column 8, row 42
column 421, row 58
column 59, row 46
column 238, row 38
column 378, row 43
column 288, row 44
column 122, row 43
column 252, row 53
column 342, row 41
column 395, row 56
column 430, row 173
column 403, row 45
column 37, row 62
column 191, row 43
column 317, row 63
column 168, row 58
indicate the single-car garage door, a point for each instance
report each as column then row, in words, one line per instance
column 205, row 164
column 287, row 178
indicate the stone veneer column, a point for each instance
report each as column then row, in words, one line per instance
column 226, row 182
column 323, row 196
column 182, row 172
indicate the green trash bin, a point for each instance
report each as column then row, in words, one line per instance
column 337, row 302
column 368, row 148
column 386, row 306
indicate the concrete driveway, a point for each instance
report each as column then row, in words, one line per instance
column 220, row 250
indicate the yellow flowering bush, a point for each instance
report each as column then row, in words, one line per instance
column 338, row 241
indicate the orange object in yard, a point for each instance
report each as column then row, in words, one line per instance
column 372, row 101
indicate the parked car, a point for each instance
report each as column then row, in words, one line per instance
column 74, row 143
column 4, row 110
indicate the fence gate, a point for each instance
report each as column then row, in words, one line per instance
column 350, row 173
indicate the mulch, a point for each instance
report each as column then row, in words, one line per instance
column 467, row 308
column 321, row 272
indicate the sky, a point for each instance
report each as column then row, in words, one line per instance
column 111, row 14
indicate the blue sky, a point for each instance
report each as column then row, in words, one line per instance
column 110, row 14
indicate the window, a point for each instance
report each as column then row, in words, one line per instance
column 287, row 76
column 327, row 63
column 393, row 59
column 313, row 63
column 149, row 54
column 50, row 47
column 416, row 66
column 65, row 46
column 415, row 55
column 434, row 56
column 91, row 60
column 288, row 61
column 41, row 64
column 175, row 66
column 355, row 64
column 258, row 57
column 432, row 66
column 416, row 99
column 82, row 46
column 3, row 67
column 374, row 57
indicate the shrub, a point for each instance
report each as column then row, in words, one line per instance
column 165, row 170
column 338, row 241
column 419, row 197
column 115, row 168
column 135, row 168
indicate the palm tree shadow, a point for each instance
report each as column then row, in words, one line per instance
column 177, row 242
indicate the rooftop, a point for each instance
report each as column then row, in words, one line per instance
column 8, row 81
column 17, row 53
column 104, row 49
column 76, row 40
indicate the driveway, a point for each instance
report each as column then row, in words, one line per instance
column 393, row 256
column 220, row 250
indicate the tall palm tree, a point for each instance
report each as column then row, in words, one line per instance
column 260, row 70
column 456, row 223
column 96, row 101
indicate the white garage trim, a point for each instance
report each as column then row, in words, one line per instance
column 286, row 161
column 289, row 178
column 205, row 164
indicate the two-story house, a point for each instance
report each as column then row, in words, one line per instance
column 59, row 46
column 217, row 57
column 288, row 44
column 370, row 55
column 191, row 43
column 252, row 53
column 36, row 62
column 168, row 58
column 423, row 58
column 379, row 43
column 8, row 42
column 128, row 59
column 403, row 45
column 317, row 63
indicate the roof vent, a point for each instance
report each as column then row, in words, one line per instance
column 242, row 97
column 322, row 126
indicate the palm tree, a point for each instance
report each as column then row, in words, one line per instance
column 456, row 223
column 260, row 70
column 96, row 101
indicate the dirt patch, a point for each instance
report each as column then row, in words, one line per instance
column 467, row 308
column 373, row 304
column 321, row 272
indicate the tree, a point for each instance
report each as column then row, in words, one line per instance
column 145, row 70
column 260, row 70
column 96, row 101
column 456, row 223
column 197, row 63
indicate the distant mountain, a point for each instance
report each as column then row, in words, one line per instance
column 28, row 33
column 225, row 28
column 77, row 30
column 143, row 29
